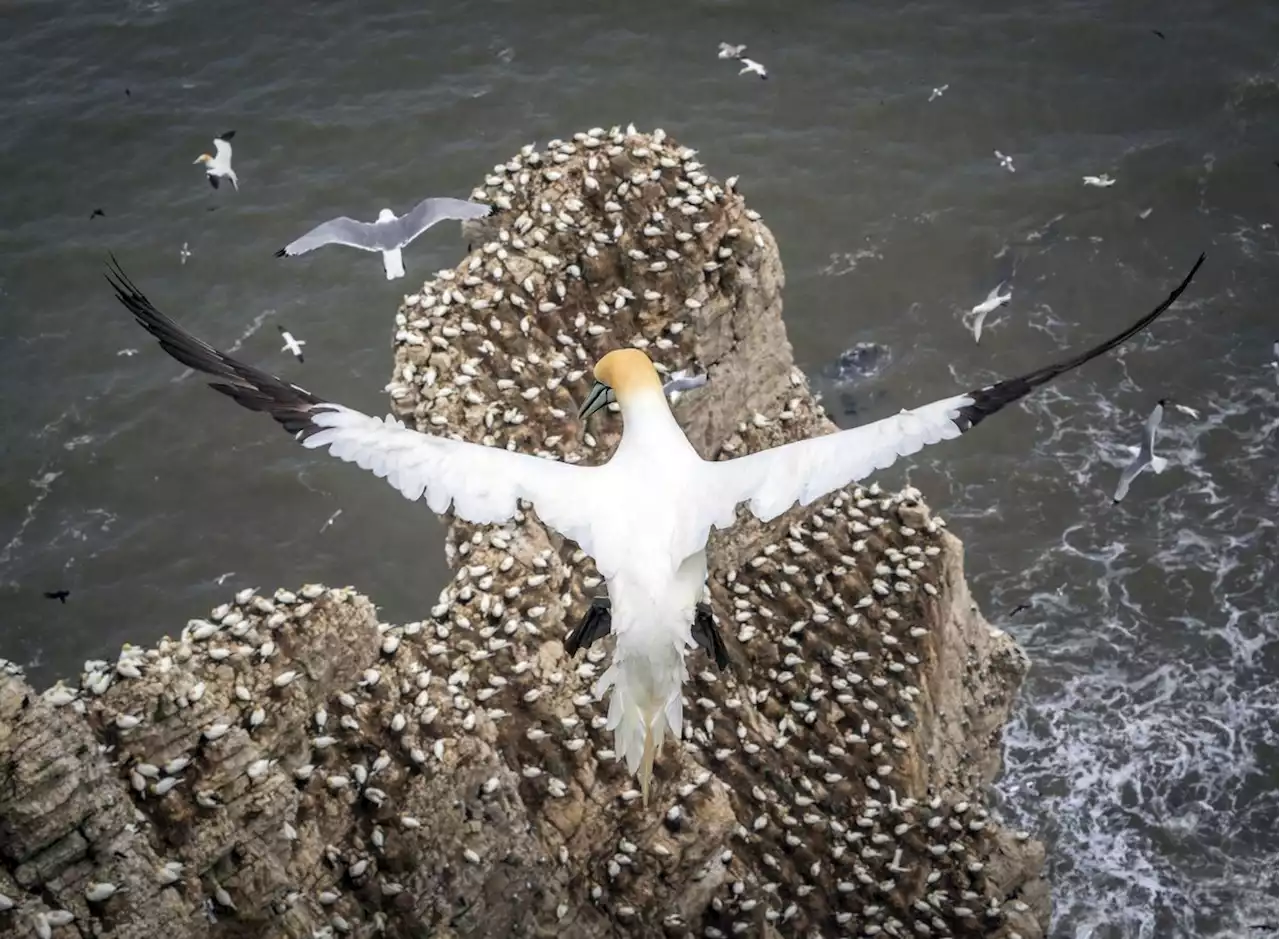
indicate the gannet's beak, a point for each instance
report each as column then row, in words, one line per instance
column 601, row 396
column 202, row 158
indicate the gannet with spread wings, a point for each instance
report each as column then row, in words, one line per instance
column 389, row 233
column 644, row 516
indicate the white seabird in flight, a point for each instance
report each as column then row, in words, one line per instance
column 389, row 233
column 937, row 92
column 219, row 165
column 728, row 51
column 1145, row 455
column 1005, row 161
column 995, row 300
column 751, row 65
column 1102, row 182
column 680, row 382
column 644, row 516
column 291, row 344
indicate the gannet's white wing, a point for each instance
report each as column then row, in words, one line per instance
column 774, row 480
column 222, row 149
column 340, row 231
column 483, row 484
column 427, row 213
column 994, row 295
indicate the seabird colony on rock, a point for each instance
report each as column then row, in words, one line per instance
column 644, row 516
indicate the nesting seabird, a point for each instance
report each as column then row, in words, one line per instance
column 389, row 233
column 219, row 165
column 291, row 344
column 644, row 516
column 751, row 65
column 1145, row 456
column 995, row 300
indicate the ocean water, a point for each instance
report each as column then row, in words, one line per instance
column 1143, row 748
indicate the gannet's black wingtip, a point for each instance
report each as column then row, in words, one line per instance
column 290, row 406
column 279, row 254
column 987, row 401
column 227, row 136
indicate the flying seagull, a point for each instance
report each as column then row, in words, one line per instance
column 680, row 382
column 729, row 51
column 219, row 165
column 389, row 233
column 644, row 516
column 751, row 65
column 1101, row 182
column 291, row 344
column 1145, row 456
column 995, row 300
column 1006, row 162
column 937, row 92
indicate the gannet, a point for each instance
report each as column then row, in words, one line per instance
column 1145, row 455
column 644, row 516
column 937, row 92
column 995, row 300
column 728, row 51
column 751, row 65
column 291, row 344
column 1102, row 182
column 389, row 233
column 1005, row 161
column 220, row 163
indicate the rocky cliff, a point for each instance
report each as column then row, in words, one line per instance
column 291, row 767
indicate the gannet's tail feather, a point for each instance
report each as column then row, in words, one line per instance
column 645, row 703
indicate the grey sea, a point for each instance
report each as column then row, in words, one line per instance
column 1144, row 746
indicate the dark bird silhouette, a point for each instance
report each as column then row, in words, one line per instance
column 97, row 213
column 57, row 595
column 1158, row 33
column 1019, row 608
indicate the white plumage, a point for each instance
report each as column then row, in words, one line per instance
column 389, row 234
column 644, row 516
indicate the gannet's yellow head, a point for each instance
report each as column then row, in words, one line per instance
column 203, row 158
column 622, row 375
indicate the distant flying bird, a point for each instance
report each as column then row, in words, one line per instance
column 1006, row 162
column 389, row 233
column 1021, row 607
column 937, row 92
column 57, row 595
column 184, row 253
column 728, row 51
column 680, row 382
column 97, row 213
column 1102, row 182
column 751, row 65
column 1145, row 456
column 995, row 300
column 219, row 165
column 1189, row 411
column 291, row 344
column 644, row 516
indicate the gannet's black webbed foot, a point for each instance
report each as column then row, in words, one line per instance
column 595, row 624
column 707, row 635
